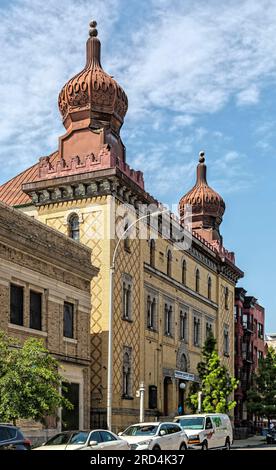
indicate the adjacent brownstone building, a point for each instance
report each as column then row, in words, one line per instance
column 249, row 347
column 45, row 293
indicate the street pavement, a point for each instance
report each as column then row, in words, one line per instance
column 253, row 443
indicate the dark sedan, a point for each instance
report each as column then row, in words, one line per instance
column 271, row 436
column 12, row 438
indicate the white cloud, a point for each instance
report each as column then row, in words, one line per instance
column 231, row 172
column 249, row 96
column 185, row 60
column 194, row 56
column 42, row 46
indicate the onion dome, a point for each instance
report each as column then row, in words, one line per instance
column 206, row 204
column 93, row 93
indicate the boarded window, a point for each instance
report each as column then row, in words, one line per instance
column 35, row 310
column 68, row 324
column 16, row 304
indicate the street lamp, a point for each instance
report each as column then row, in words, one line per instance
column 199, row 395
column 110, row 322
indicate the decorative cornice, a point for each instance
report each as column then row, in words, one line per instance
column 21, row 233
column 105, row 159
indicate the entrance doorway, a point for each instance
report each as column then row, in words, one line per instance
column 70, row 419
column 168, row 396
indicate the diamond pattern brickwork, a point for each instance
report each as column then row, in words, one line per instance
column 127, row 334
column 226, row 317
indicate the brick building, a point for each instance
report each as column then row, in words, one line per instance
column 45, row 293
column 165, row 300
column 249, row 347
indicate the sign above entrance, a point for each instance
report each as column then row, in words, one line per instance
column 184, row 376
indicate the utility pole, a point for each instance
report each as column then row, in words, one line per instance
column 142, row 404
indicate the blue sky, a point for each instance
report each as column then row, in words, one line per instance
column 198, row 75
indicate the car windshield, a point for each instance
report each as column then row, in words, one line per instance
column 59, row 439
column 148, row 430
column 68, row 438
column 191, row 423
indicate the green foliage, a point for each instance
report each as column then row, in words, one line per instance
column 216, row 383
column 30, row 383
column 261, row 398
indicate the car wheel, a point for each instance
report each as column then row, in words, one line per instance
column 183, row 446
column 204, row 445
column 156, row 448
column 227, row 444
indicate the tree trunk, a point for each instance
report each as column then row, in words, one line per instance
column 14, row 421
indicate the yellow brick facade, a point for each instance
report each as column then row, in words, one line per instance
column 40, row 260
column 154, row 356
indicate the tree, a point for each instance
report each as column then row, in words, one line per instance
column 261, row 398
column 30, row 384
column 216, row 384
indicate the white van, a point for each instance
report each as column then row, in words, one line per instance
column 207, row 431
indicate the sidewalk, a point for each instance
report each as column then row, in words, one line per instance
column 254, row 441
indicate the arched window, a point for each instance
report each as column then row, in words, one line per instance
column 183, row 363
column 152, row 253
column 127, row 287
column 226, row 298
column 126, row 374
column 209, row 288
column 168, row 320
column 74, row 227
column 197, row 280
column 169, row 263
column 184, row 272
column 151, row 307
column 183, row 333
column 126, row 238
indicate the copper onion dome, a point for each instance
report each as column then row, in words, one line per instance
column 207, row 205
column 93, row 93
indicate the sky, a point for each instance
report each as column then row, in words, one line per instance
column 198, row 75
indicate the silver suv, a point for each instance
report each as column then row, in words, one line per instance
column 155, row 436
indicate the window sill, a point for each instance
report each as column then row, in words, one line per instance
column 152, row 329
column 32, row 331
column 127, row 319
column 168, row 335
column 127, row 397
column 70, row 340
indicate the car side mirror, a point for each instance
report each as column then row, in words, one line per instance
column 93, row 443
column 120, row 433
column 162, row 432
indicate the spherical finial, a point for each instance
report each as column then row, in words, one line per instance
column 201, row 157
column 93, row 31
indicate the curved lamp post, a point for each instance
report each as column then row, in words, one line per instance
column 110, row 323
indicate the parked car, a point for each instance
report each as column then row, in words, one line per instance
column 155, row 436
column 207, row 431
column 271, row 436
column 97, row 439
column 12, row 438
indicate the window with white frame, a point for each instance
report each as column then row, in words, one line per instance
column 183, row 325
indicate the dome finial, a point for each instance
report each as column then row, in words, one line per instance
column 93, row 32
column 201, row 156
